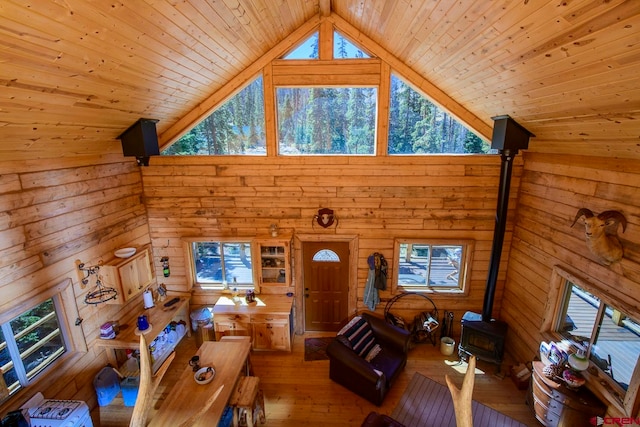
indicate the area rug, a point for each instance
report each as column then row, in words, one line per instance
column 316, row 348
column 428, row 403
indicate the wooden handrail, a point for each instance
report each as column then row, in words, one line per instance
column 462, row 397
column 148, row 384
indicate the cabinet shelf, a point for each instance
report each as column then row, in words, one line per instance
column 128, row 276
column 159, row 316
column 161, row 356
column 274, row 261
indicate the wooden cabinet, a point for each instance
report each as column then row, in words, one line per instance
column 554, row 404
column 128, row 276
column 233, row 324
column 271, row 332
column 274, row 262
column 268, row 320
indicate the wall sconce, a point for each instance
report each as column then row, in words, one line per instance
column 273, row 230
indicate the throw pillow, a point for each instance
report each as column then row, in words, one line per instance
column 360, row 335
column 373, row 352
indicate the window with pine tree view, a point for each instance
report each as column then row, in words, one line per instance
column 307, row 50
column 344, row 49
column 326, row 120
column 29, row 343
column 336, row 119
column 417, row 126
column 236, row 127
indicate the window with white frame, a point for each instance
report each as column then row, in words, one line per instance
column 222, row 264
column 431, row 266
column 31, row 342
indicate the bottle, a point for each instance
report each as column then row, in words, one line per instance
column 165, row 266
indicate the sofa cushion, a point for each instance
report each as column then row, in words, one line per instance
column 389, row 362
column 360, row 335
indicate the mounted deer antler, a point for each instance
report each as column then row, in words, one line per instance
column 601, row 234
column 462, row 397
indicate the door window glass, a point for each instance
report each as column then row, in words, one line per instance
column 326, row 255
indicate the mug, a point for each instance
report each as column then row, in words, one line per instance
column 195, row 363
column 143, row 322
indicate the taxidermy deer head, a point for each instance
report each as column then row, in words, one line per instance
column 601, row 234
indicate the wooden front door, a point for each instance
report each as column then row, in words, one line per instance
column 326, row 285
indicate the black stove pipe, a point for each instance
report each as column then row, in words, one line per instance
column 498, row 233
column 508, row 138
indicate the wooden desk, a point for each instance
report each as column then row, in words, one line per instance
column 159, row 317
column 187, row 397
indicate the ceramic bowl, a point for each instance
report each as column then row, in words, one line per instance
column 125, row 252
column 573, row 379
column 204, row 375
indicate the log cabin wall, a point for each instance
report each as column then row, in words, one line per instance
column 55, row 212
column 567, row 72
column 553, row 187
column 376, row 200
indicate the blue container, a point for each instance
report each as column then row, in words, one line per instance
column 107, row 385
column 226, row 420
column 130, row 387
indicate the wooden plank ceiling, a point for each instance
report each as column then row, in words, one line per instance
column 76, row 73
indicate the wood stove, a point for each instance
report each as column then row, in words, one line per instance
column 483, row 339
column 483, row 336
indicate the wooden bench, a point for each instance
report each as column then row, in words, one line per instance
column 247, row 401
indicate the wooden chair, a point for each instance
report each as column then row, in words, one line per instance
column 248, row 400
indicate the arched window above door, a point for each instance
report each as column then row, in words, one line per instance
column 326, row 255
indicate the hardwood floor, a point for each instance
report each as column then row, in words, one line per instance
column 300, row 393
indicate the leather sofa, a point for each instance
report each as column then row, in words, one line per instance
column 369, row 379
column 375, row 419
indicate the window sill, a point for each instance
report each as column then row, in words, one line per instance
column 438, row 291
column 45, row 379
column 605, row 391
column 214, row 288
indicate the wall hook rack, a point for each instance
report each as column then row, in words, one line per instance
column 88, row 271
column 101, row 293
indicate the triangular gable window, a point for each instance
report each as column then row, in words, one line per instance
column 235, row 127
column 418, row 126
column 306, row 50
column 343, row 48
